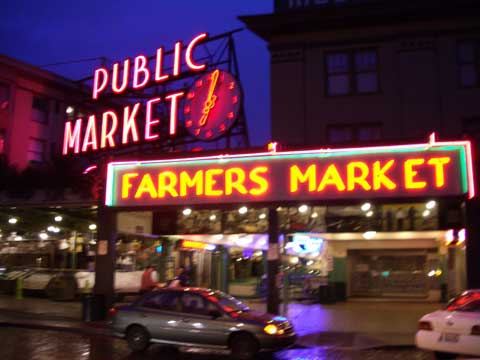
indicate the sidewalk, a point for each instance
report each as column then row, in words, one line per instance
column 349, row 325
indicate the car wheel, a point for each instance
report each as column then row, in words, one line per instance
column 243, row 346
column 444, row 356
column 138, row 338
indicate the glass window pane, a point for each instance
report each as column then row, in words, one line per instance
column 338, row 85
column 337, row 63
column 365, row 61
column 367, row 83
column 340, row 134
column 468, row 75
column 466, row 52
column 368, row 133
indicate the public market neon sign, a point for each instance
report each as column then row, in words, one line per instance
column 433, row 169
column 113, row 128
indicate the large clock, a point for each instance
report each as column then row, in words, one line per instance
column 212, row 105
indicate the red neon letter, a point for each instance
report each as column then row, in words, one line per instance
column 126, row 184
column 107, row 134
column 149, row 122
column 210, row 182
column 176, row 58
column 360, row 179
column 126, row 71
column 141, row 63
column 130, row 123
column 90, row 138
column 410, row 173
column 98, row 86
column 167, row 180
column 332, row 177
column 71, row 139
column 379, row 177
column 297, row 176
column 174, row 110
column 234, row 179
column 439, row 163
column 259, row 180
column 146, row 186
column 187, row 182
column 189, row 53
column 159, row 67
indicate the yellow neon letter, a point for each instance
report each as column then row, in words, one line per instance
column 234, row 179
column 439, row 169
column 167, row 180
column 360, row 179
column 410, row 173
column 331, row 177
column 379, row 177
column 259, row 180
column 187, row 182
column 146, row 186
column 210, row 182
column 126, row 184
column 297, row 176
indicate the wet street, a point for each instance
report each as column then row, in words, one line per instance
column 27, row 344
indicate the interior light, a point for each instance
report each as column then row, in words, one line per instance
column 369, row 214
column 461, row 236
column 366, row 206
column 12, row 221
column 426, row 213
column 314, row 215
column 187, row 211
column 43, row 236
column 18, row 238
column 243, row 210
column 58, row 218
column 262, row 216
column 69, row 110
column 92, row 227
column 213, row 217
column 303, row 208
column 369, row 234
column 294, row 260
column 431, row 204
column 431, row 273
column 309, row 262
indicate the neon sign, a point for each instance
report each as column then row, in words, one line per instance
column 211, row 105
column 434, row 169
column 189, row 244
column 304, row 244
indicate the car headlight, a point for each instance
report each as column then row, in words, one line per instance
column 271, row 329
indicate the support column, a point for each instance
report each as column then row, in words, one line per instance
column 473, row 243
column 105, row 257
column 273, row 262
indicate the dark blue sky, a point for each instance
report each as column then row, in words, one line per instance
column 49, row 31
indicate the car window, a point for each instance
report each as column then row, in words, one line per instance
column 461, row 302
column 194, row 304
column 472, row 306
column 169, row 301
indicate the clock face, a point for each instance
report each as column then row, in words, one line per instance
column 212, row 105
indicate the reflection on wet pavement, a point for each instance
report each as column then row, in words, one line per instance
column 26, row 344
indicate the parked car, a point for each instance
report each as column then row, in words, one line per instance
column 454, row 330
column 200, row 318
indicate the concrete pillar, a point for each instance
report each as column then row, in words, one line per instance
column 273, row 262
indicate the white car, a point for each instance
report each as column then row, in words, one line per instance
column 454, row 330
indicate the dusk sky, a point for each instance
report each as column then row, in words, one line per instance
column 42, row 32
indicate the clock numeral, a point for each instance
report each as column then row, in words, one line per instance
column 199, row 83
column 188, row 123
column 209, row 134
column 197, row 132
column 231, row 115
column 231, row 86
column 223, row 127
column 222, row 78
column 187, row 110
column 234, row 99
column 190, row 95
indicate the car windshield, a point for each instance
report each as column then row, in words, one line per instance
column 462, row 301
column 227, row 302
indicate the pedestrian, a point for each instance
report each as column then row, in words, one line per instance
column 149, row 279
column 181, row 280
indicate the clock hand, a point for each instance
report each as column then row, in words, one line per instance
column 210, row 102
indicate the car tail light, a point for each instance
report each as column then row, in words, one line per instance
column 476, row 330
column 112, row 312
column 425, row 325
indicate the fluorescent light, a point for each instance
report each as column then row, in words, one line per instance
column 243, row 210
column 366, row 206
column 58, row 218
column 303, row 208
column 369, row 214
column 187, row 211
column 12, row 221
column 92, row 227
column 431, row 204
column 426, row 213
column 212, row 217
column 262, row 216
column 314, row 215
column 369, row 234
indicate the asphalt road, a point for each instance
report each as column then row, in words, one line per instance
column 27, row 344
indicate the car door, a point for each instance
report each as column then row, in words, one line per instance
column 160, row 314
column 199, row 326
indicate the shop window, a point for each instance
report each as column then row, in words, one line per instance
column 352, row 72
column 40, row 109
column 36, row 150
column 468, row 55
column 167, row 301
column 344, row 134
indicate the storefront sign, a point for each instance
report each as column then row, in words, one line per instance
column 211, row 107
column 420, row 170
column 305, row 244
column 197, row 245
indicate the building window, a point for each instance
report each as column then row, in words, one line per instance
column 352, row 72
column 344, row 134
column 40, row 109
column 36, row 150
column 469, row 63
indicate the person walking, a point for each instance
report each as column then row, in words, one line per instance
column 149, row 279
